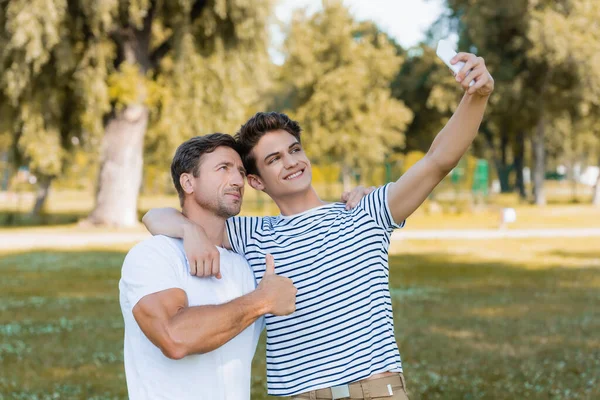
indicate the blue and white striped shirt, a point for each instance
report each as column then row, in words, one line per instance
column 343, row 328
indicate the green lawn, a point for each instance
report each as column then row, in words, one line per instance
column 474, row 320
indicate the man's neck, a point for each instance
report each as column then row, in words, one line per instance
column 299, row 202
column 213, row 225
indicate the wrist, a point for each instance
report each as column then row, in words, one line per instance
column 260, row 302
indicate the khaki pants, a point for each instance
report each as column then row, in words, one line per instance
column 373, row 389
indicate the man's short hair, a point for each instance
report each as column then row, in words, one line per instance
column 189, row 153
column 256, row 127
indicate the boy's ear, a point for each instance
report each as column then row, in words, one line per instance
column 187, row 183
column 255, row 182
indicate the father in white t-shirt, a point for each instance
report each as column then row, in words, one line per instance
column 188, row 337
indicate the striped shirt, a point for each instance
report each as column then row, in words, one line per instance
column 343, row 328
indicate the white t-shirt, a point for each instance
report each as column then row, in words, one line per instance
column 157, row 264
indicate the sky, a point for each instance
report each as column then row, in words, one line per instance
column 404, row 20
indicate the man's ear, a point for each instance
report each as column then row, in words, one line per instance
column 187, row 183
column 255, row 182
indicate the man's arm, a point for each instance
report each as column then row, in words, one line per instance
column 410, row 191
column 203, row 256
column 178, row 330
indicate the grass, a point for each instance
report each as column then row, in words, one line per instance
column 496, row 319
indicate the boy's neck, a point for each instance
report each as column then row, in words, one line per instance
column 299, row 202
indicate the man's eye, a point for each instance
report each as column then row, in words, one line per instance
column 273, row 160
column 295, row 150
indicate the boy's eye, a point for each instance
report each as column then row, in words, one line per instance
column 273, row 159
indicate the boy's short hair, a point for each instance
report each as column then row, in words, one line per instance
column 256, row 127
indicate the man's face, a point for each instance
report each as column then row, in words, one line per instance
column 219, row 186
column 282, row 164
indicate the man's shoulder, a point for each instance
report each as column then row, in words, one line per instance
column 156, row 246
column 231, row 256
column 236, row 265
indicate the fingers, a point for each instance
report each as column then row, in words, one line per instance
column 462, row 56
column 345, row 196
column 207, row 267
column 354, row 194
column 357, row 195
column 472, row 62
column 193, row 267
column 480, row 81
column 207, row 264
column 350, row 201
column 474, row 76
column 270, row 263
column 216, row 270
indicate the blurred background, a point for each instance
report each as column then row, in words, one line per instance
column 496, row 278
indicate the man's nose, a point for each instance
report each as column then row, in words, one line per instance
column 237, row 179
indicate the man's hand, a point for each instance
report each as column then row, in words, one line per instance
column 353, row 197
column 279, row 293
column 484, row 83
column 203, row 256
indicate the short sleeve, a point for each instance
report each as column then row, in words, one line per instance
column 239, row 232
column 375, row 204
column 150, row 268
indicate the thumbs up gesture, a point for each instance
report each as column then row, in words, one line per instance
column 279, row 292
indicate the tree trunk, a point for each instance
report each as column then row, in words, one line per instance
column 41, row 195
column 502, row 170
column 573, row 179
column 346, row 178
column 121, row 160
column 121, row 168
column 539, row 166
column 6, row 171
column 519, row 164
column 596, row 194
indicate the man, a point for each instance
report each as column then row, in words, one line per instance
column 340, row 341
column 187, row 337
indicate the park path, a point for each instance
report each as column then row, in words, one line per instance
column 23, row 240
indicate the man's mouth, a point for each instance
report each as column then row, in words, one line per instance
column 235, row 194
column 294, row 175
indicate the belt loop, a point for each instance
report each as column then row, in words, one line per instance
column 365, row 389
column 403, row 381
column 312, row 395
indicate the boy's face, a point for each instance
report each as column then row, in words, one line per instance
column 282, row 165
column 219, row 186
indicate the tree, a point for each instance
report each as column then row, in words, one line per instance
column 427, row 87
column 336, row 81
column 566, row 41
column 533, row 49
column 106, row 71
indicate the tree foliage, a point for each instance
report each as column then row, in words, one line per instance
column 87, row 68
column 541, row 54
column 336, row 81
